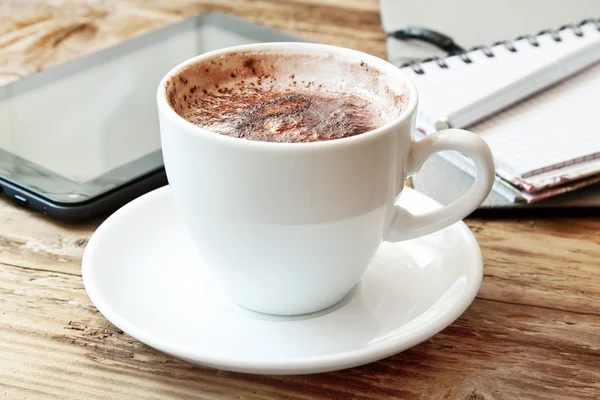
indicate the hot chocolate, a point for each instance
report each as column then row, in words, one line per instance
column 265, row 98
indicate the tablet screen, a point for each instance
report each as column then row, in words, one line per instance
column 77, row 130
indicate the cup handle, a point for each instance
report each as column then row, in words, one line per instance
column 405, row 225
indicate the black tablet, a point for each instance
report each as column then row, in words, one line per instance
column 82, row 138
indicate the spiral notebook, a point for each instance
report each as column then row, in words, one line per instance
column 534, row 100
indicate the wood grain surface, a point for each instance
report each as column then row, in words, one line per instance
column 533, row 332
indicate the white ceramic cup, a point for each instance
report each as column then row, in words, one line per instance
column 289, row 228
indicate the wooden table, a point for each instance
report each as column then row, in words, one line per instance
column 533, row 331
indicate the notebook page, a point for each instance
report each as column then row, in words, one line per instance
column 558, row 128
column 443, row 90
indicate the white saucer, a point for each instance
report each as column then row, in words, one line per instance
column 145, row 276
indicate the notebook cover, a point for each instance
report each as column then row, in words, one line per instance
column 444, row 183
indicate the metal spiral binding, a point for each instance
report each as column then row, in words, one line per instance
column 533, row 41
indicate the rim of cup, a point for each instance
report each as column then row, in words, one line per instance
column 291, row 47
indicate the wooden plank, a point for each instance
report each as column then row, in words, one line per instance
column 56, row 345
column 537, row 339
column 40, row 34
column 33, row 241
column 553, row 263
